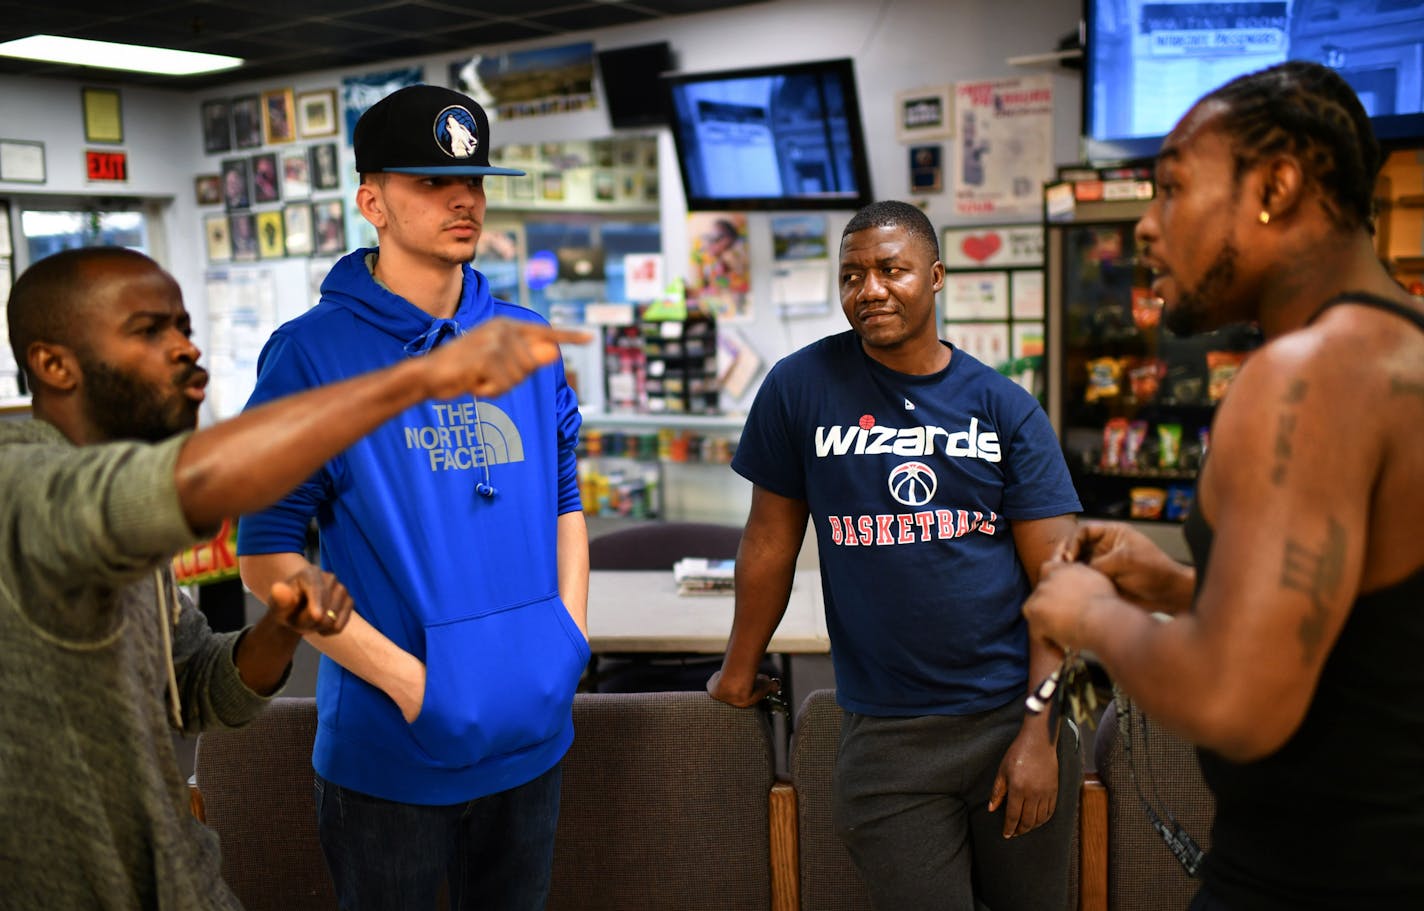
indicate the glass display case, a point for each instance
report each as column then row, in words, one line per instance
column 1133, row 402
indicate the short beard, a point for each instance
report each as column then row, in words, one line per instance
column 1193, row 312
column 122, row 408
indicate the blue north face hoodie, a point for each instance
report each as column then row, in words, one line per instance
column 467, row 582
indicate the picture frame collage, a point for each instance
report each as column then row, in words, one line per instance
column 993, row 299
column 587, row 175
column 271, row 199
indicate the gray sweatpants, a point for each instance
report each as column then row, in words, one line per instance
column 911, row 799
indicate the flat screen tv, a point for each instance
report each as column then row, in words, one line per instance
column 630, row 75
column 1148, row 60
column 777, row 137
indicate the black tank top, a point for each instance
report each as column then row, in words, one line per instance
column 1335, row 818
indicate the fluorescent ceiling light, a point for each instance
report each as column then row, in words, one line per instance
column 110, row 56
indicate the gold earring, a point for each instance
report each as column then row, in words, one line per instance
column 1264, row 218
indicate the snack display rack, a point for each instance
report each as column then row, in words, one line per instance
column 1132, row 402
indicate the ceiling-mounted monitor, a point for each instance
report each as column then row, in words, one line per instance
column 1147, row 61
column 630, row 83
column 775, row 137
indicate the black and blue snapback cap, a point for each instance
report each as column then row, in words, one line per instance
column 425, row 129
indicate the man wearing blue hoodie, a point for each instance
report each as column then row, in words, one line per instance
column 445, row 705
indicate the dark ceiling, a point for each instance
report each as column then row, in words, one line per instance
column 297, row 36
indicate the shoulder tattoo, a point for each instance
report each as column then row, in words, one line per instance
column 1285, row 429
column 1316, row 573
column 1399, row 385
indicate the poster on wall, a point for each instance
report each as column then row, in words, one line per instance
column 1005, row 145
column 551, row 80
column 719, row 276
column 996, row 247
column 801, row 272
column 985, row 342
column 976, row 295
column 360, row 92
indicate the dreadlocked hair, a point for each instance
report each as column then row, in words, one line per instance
column 891, row 213
column 1306, row 110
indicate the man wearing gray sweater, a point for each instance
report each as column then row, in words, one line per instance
column 100, row 656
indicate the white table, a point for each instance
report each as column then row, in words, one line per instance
column 641, row 611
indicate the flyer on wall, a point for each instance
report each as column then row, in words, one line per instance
column 1005, row 145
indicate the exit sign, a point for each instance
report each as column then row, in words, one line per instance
column 107, row 165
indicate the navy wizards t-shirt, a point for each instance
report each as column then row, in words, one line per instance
column 913, row 483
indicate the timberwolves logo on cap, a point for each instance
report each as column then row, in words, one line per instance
column 456, row 133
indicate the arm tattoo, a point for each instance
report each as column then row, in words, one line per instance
column 1285, row 426
column 1317, row 574
column 1398, row 385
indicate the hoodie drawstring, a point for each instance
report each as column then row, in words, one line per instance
column 439, row 332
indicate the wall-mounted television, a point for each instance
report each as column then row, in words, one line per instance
column 776, row 137
column 630, row 76
column 1147, row 61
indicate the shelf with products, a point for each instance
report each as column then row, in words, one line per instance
column 662, row 366
column 625, row 459
column 1135, row 401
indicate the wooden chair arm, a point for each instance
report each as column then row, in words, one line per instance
column 1093, row 844
column 785, row 865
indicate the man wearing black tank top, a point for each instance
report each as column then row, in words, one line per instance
column 1293, row 657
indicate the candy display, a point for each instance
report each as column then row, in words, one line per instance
column 1114, row 444
column 1221, row 367
column 1146, row 309
column 1132, row 448
column 1147, row 502
column 1144, row 378
column 1169, row 445
column 1104, row 378
column 1179, row 503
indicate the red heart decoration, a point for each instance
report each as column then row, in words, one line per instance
column 980, row 247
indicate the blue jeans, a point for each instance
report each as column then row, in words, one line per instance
column 495, row 852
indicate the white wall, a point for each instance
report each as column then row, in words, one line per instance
column 896, row 45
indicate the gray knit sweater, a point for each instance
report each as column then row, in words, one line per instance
column 93, row 810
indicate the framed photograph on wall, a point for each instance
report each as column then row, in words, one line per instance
column 324, row 172
column 926, row 113
column 271, row 235
column 215, row 228
column 266, row 183
column 207, row 188
column 279, row 116
column 242, row 228
column 103, row 115
column 247, row 122
column 296, row 175
column 316, row 113
column 237, row 194
column 297, row 220
column 217, row 126
column 926, row 172
column 329, row 226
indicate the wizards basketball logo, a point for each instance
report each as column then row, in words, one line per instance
column 913, row 484
column 456, row 132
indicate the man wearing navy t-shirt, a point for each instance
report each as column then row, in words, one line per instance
column 937, row 488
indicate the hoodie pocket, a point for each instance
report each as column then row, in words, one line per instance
column 500, row 682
